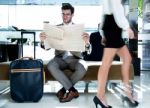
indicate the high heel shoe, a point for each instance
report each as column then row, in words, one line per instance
column 129, row 101
column 128, row 97
column 97, row 101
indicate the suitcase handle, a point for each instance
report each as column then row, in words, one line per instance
column 24, row 58
column 27, row 32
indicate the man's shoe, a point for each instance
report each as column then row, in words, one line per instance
column 60, row 94
column 70, row 95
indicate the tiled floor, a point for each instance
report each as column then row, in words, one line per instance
column 49, row 100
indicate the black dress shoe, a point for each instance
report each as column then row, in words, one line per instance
column 70, row 95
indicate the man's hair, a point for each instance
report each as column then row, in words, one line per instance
column 66, row 6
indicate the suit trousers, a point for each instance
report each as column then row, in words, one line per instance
column 57, row 66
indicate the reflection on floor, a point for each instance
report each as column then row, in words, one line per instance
column 85, row 100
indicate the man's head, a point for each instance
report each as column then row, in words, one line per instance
column 67, row 12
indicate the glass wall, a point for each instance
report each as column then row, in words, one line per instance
column 32, row 16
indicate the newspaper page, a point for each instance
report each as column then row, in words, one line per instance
column 67, row 38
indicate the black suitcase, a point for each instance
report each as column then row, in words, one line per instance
column 26, row 80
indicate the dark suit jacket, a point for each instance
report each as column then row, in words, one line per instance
column 97, row 48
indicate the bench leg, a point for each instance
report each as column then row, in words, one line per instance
column 110, row 85
column 86, row 86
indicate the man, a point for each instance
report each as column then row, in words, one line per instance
column 72, row 61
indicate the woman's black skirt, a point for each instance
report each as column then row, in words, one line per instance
column 112, row 33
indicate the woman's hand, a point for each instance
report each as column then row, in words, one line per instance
column 103, row 41
column 130, row 33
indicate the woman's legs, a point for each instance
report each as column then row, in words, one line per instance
column 124, row 53
column 108, row 56
column 126, row 57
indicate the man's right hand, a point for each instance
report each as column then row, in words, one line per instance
column 42, row 36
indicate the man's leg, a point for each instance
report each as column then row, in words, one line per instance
column 56, row 67
column 79, row 69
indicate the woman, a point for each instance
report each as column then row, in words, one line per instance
column 113, row 24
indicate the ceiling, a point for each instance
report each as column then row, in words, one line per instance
column 49, row 2
column 53, row 2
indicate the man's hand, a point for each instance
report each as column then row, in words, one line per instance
column 86, row 37
column 42, row 36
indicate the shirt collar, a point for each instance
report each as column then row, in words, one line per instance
column 68, row 23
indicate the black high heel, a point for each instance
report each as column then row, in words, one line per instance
column 125, row 98
column 129, row 101
column 97, row 101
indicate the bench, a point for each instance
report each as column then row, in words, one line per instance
column 93, row 66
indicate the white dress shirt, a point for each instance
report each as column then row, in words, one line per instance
column 68, row 23
column 116, row 8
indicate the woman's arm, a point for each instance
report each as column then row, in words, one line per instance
column 119, row 14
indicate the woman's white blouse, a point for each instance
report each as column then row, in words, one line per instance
column 116, row 8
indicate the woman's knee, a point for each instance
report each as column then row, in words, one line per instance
column 127, row 59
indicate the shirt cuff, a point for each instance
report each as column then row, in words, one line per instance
column 88, row 48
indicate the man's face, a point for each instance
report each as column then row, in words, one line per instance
column 67, row 16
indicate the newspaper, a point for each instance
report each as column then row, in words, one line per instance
column 67, row 38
